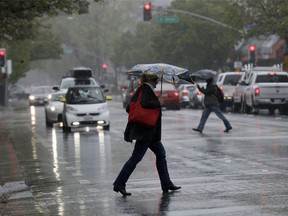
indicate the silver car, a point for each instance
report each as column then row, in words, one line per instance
column 54, row 108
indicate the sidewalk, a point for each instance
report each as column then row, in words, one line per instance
column 13, row 190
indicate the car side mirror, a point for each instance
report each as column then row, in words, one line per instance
column 63, row 100
column 55, row 88
column 108, row 98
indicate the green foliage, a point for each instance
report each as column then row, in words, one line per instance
column 19, row 52
column 192, row 43
column 265, row 16
column 46, row 46
column 20, row 35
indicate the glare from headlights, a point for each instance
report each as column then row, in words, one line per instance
column 52, row 108
column 32, row 97
column 75, row 123
column 100, row 122
column 49, row 96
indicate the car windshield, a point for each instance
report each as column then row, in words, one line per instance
column 232, row 79
column 85, row 95
column 41, row 90
column 267, row 78
column 56, row 97
column 65, row 84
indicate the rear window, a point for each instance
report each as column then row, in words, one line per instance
column 191, row 88
column 271, row 78
column 232, row 79
column 66, row 83
column 165, row 86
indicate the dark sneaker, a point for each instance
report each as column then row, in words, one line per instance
column 197, row 130
column 227, row 130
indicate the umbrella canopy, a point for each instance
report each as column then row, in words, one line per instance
column 203, row 74
column 157, row 68
column 166, row 71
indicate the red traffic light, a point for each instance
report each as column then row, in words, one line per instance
column 104, row 66
column 252, row 48
column 2, row 52
column 147, row 6
column 2, row 57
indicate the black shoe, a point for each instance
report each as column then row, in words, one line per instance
column 196, row 129
column 227, row 130
column 122, row 191
column 173, row 188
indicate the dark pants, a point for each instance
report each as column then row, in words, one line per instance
column 139, row 151
column 207, row 111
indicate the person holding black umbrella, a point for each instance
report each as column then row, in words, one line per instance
column 211, row 105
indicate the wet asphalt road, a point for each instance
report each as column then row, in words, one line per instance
column 46, row 172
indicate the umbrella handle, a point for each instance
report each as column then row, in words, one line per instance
column 161, row 85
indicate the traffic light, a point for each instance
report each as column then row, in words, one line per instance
column 2, row 57
column 104, row 66
column 147, row 15
column 252, row 50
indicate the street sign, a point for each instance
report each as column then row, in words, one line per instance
column 167, row 19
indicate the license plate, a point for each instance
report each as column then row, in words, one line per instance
column 87, row 118
column 164, row 95
column 277, row 100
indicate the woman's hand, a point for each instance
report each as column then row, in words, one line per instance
column 161, row 100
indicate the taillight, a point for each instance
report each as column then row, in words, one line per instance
column 221, row 87
column 131, row 93
column 184, row 92
column 257, row 91
column 176, row 94
column 123, row 89
column 199, row 93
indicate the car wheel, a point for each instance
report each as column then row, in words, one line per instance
column 48, row 123
column 106, row 127
column 65, row 128
column 236, row 107
column 271, row 111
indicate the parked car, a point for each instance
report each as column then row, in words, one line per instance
column 196, row 97
column 85, row 106
column 184, row 90
column 54, row 109
column 132, row 85
column 169, row 94
column 16, row 91
column 226, row 82
column 39, row 95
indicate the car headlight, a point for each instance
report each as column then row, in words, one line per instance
column 71, row 109
column 31, row 97
column 52, row 108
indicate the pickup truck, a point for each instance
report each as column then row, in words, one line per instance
column 238, row 93
column 266, row 90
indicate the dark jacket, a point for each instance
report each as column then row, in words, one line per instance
column 136, row 132
column 210, row 95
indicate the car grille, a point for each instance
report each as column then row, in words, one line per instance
column 87, row 114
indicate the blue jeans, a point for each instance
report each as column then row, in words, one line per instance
column 207, row 111
column 139, row 151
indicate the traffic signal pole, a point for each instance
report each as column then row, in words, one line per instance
column 207, row 19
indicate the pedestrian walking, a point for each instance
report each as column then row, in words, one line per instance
column 146, row 137
column 211, row 105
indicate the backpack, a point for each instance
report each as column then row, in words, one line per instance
column 219, row 94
